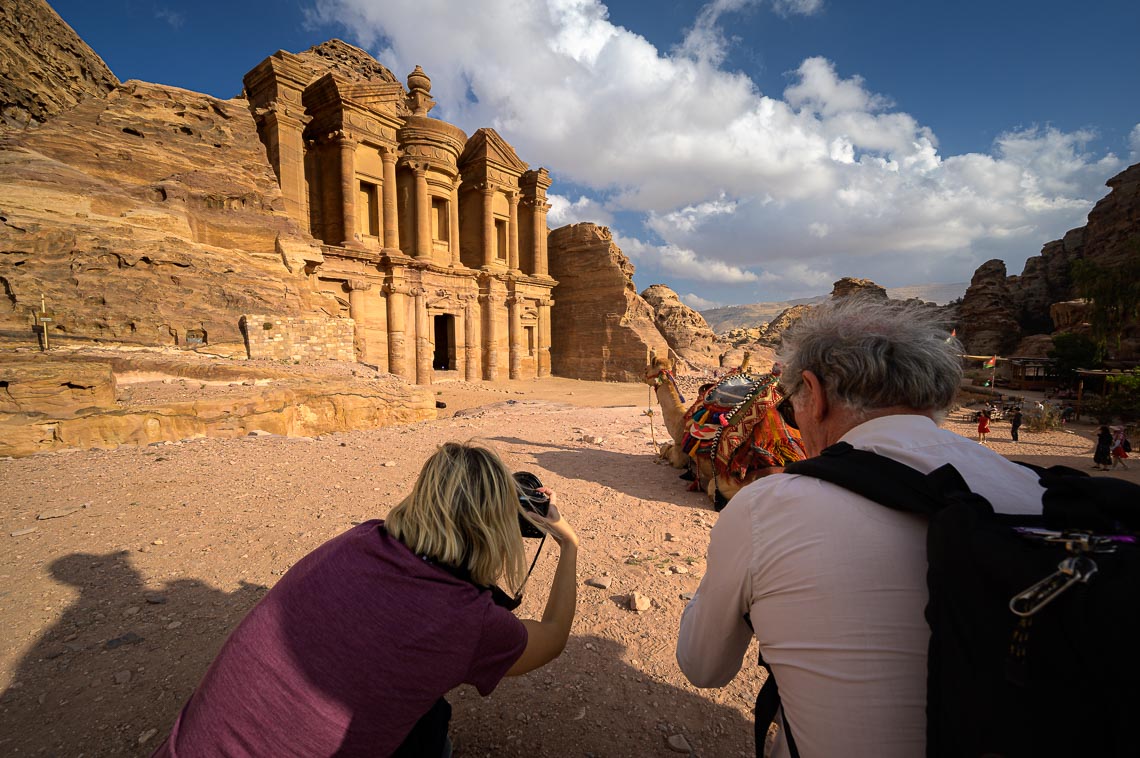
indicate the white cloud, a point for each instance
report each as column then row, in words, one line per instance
column 1134, row 144
column 564, row 211
column 797, row 7
column 698, row 303
column 172, row 17
column 830, row 177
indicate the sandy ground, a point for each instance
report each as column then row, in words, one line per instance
column 122, row 572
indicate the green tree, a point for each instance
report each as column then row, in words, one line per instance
column 1074, row 351
column 1113, row 294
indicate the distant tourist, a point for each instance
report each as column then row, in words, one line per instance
column 1118, row 451
column 833, row 584
column 353, row 650
column 1014, row 423
column 984, row 425
column 1102, row 456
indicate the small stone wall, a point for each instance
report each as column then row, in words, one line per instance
column 299, row 339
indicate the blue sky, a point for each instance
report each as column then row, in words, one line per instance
column 741, row 150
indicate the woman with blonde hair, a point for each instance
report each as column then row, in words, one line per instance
column 353, row 650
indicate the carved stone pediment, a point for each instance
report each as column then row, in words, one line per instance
column 486, row 147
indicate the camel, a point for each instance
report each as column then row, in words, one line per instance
column 733, row 434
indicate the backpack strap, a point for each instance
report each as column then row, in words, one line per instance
column 882, row 480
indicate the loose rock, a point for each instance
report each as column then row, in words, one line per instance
column 122, row 677
column 678, row 744
column 639, row 602
column 22, row 532
column 147, row 735
column 57, row 513
column 601, row 582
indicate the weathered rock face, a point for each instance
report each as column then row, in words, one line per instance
column 55, row 390
column 772, row 335
column 45, row 68
column 1034, row 346
column 995, row 316
column 987, row 312
column 850, row 286
column 600, row 327
column 1070, row 316
column 683, row 328
column 53, row 403
column 150, row 216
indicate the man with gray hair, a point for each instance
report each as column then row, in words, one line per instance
column 834, row 585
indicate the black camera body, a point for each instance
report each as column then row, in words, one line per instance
column 531, row 500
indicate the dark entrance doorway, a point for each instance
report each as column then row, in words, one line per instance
column 444, row 357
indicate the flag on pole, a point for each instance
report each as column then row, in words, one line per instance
column 953, row 335
column 990, row 363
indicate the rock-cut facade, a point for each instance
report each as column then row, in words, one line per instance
column 433, row 242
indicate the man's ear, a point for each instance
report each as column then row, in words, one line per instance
column 815, row 395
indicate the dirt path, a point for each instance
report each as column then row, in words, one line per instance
column 113, row 611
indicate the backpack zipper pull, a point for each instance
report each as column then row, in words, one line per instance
column 1075, row 568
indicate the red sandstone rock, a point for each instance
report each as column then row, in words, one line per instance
column 683, row 328
column 601, row 328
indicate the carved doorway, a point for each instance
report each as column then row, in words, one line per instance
column 444, row 356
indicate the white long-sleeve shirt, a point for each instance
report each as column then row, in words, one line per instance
column 835, row 586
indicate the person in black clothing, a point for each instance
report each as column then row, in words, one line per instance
column 1102, row 458
column 1015, row 423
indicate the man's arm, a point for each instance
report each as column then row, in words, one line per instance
column 714, row 635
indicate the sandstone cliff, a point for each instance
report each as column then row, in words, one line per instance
column 683, row 328
column 150, row 216
column 998, row 312
column 600, row 327
column 45, row 68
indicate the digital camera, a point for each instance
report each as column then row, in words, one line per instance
column 532, row 500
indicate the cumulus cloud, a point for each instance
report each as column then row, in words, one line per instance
column 828, row 177
column 565, row 211
column 698, row 303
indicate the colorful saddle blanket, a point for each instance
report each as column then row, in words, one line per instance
column 736, row 423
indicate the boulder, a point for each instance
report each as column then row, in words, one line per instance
column 772, row 334
column 45, row 68
column 683, row 328
column 601, row 329
column 850, row 286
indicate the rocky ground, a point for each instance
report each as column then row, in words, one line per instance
column 122, row 571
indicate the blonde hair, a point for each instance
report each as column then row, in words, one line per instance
column 463, row 511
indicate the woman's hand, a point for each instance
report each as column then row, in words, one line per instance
column 553, row 522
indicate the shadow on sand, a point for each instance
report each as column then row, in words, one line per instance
column 121, row 660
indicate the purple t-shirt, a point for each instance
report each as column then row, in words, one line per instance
column 345, row 654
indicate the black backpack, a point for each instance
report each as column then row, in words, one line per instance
column 1034, row 620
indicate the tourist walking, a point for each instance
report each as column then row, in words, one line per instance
column 1014, row 423
column 1102, row 457
column 983, row 425
column 353, row 650
column 1118, row 451
column 832, row 585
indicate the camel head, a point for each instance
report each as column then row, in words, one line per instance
column 658, row 369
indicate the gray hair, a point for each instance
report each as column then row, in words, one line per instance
column 872, row 354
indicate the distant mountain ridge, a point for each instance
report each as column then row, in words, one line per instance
column 753, row 314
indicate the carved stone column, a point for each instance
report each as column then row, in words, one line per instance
column 471, row 338
column 514, row 336
column 347, row 147
column 397, row 318
column 544, row 337
column 488, row 225
column 423, row 342
column 453, row 222
column 491, row 336
column 391, row 219
column 540, row 255
column 423, row 213
column 513, row 232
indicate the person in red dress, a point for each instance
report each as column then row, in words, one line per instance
column 983, row 426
